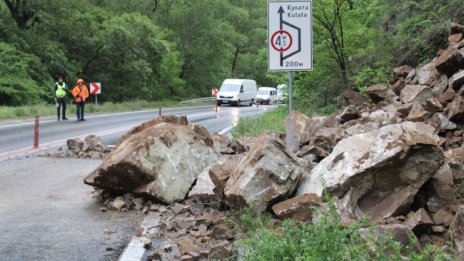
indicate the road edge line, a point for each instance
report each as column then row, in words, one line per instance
column 135, row 250
column 226, row 130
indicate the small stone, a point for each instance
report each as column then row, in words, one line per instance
column 298, row 208
column 221, row 231
column 117, row 204
column 202, row 229
column 103, row 209
column 147, row 244
column 139, row 232
column 442, row 218
column 221, row 250
column 187, row 258
column 439, row 229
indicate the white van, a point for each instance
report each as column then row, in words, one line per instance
column 236, row 92
column 266, row 95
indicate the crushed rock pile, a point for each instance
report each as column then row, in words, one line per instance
column 92, row 147
column 395, row 157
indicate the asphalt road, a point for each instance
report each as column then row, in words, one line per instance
column 47, row 213
column 17, row 138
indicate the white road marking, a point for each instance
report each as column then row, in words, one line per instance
column 134, row 250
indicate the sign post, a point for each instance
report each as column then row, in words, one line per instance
column 290, row 39
column 95, row 89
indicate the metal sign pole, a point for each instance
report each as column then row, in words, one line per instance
column 96, row 99
column 290, row 91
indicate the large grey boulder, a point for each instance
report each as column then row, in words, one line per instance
column 416, row 93
column 378, row 172
column 160, row 159
column 268, row 173
column 427, row 75
column 295, row 124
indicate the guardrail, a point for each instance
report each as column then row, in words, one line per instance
column 205, row 99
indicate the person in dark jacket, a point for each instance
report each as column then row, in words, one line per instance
column 60, row 90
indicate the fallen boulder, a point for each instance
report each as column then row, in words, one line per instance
column 458, row 227
column 379, row 93
column 442, row 218
column 347, row 114
column 353, row 98
column 457, row 80
column 398, row 232
column 384, row 168
column 450, row 61
column 267, row 173
column 295, row 124
column 455, row 160
column 220, row 173
column 160, row 159
column 94, row 143
column 74, row 144
column 299, row 208
column 456, row 28
column 402, row 71
column 427, row 75
column 419, row 222
column 455, row 109
column 416, row 93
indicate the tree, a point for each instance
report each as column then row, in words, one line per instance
column 23, row 12
column 18, row 83
column 330, row 15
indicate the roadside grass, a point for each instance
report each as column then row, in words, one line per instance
column 323, row 240
column 255, row 126
column 44, row 109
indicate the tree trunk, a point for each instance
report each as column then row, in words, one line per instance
column 21, row 16
column 234, row 62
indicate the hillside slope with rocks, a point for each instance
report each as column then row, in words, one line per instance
column 395, row 157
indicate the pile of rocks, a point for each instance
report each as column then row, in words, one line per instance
column 396, row 158
column 92, row 147
column 193, row 232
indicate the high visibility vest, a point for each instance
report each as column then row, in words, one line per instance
column 60, row 90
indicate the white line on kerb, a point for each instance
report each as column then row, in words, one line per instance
column 134, row 250
column 226, row 130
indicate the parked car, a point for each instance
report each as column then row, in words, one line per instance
column 236, row 92
column 266, row 95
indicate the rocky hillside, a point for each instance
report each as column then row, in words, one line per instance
column 396, row 158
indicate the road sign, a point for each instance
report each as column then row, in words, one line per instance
column 214, row 92
column 95, row 88
column 290, row 36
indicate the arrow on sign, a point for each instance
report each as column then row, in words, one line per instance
column 281, row 12
column 95, row 88
column 282, row 22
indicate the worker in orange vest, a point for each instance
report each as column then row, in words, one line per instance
column 80, row 93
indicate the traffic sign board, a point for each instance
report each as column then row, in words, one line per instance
column 290, row 36
column 214, row 92
column 95, row 88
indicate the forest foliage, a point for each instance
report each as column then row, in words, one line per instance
column 179, row 49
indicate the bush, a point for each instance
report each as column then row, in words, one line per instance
column 323, row 240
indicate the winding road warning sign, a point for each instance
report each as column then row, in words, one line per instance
column 290, row 36
column 95, row 88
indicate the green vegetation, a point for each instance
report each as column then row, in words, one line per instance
column 170, row 49
column 323, row 240
column 255, row 126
